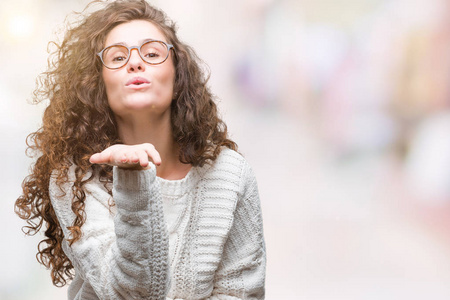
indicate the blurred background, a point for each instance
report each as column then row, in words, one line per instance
column 342, row 107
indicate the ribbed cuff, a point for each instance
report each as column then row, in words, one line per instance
column 132, row 188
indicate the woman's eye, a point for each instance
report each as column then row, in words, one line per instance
column 119, row 58
column 152, row 54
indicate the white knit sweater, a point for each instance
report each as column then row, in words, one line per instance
column 200, row 237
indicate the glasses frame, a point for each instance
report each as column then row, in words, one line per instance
column 138, row 48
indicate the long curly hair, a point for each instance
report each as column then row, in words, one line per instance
column 78, row 121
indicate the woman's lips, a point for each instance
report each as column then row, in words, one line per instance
column 137, row 81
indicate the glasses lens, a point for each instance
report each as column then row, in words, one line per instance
column 115, row 56
column 154, row 52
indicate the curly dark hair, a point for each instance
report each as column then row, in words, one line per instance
column 78, row 121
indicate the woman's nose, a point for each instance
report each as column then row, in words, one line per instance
column 135, row 63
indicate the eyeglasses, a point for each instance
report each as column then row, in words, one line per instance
column 153, row 52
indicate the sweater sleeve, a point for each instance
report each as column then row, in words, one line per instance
column 241, row 272
column 123, row 256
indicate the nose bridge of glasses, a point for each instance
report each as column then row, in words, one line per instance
column 138, row 50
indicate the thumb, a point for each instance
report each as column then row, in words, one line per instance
column 95, row 158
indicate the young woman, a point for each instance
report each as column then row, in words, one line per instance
column 140, row 191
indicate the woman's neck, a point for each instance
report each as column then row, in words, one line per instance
column 133, row 131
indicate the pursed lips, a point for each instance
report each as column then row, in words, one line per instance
column 137, row 81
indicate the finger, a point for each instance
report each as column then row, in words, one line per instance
column 95, row 158
column 143, row 158
column 123, row 158
column 105, row 156
column 101, row 158
column 153, row 154
column 117, row 158
column 134, row 158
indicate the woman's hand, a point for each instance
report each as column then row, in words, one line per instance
column 135, row 157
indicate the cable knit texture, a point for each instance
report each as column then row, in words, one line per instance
column 200, row 237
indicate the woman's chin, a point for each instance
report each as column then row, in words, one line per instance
column 139, row 104
column 143, row 107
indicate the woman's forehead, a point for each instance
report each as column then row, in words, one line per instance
column 134, row 33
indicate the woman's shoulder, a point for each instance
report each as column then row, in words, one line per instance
column 230, row 167
column 229, row 160
column 228, row 155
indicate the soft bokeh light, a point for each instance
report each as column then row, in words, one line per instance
column 20, row 26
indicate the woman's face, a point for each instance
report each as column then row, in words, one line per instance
column 124, row 88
